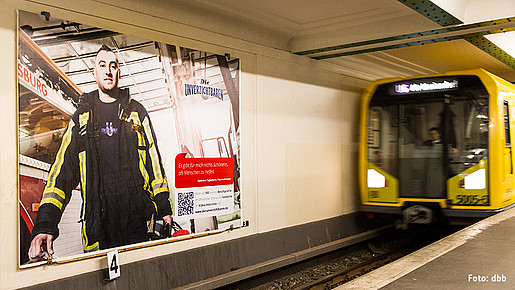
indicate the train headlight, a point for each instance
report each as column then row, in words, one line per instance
column 375, row 179
column 475, row 180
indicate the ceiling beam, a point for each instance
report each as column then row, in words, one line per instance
column 470, row 32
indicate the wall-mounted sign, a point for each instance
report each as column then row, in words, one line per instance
column 137, row 140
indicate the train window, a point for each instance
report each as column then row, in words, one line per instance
column 508, row 168
column 383, row 136
column 373, row 129
column 424, row 139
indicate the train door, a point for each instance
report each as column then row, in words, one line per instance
column 508, row 148
column 429, row 146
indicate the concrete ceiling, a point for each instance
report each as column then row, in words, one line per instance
column 379, row 37
column 371, row 39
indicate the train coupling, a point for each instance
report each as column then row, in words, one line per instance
column 417, row 214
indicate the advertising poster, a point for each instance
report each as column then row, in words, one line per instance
column 122, row 140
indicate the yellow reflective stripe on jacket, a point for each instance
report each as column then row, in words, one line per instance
column 83, row 121
column 134, row 117
column 159, row 185
column 54, row 196
column 59, row 159
column 56, row 191
column 154, row 157
column 82, row 167
column 83, row 187
column 83, row 178
column 53, row 201
column 94, row 247
column 142, row 161
column 84, row 236
column 83, row 170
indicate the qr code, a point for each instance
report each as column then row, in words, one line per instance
column 185, row 203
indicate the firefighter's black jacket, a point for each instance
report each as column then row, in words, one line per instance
column 142, row 181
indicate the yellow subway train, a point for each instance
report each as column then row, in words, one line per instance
column 438, row 147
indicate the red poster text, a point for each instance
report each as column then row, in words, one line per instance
column 199, row 172
column 33, row 80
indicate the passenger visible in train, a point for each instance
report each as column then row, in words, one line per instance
column 435, row 138
column 434, row 135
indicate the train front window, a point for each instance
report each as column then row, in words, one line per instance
column 424, row 139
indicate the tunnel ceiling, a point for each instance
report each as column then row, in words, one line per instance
column 380, row 38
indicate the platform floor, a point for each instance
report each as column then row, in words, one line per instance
column 481, row 256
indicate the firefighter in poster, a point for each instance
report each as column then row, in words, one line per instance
column 109, row 148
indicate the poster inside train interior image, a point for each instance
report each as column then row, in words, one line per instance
column 123, row 141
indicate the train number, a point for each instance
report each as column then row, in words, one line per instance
column 471, row 199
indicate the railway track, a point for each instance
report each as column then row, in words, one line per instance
column 342, row 276
column 327, row 273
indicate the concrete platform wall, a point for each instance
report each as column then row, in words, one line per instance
column 298, row 143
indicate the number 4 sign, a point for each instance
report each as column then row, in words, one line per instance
column 112, row 265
